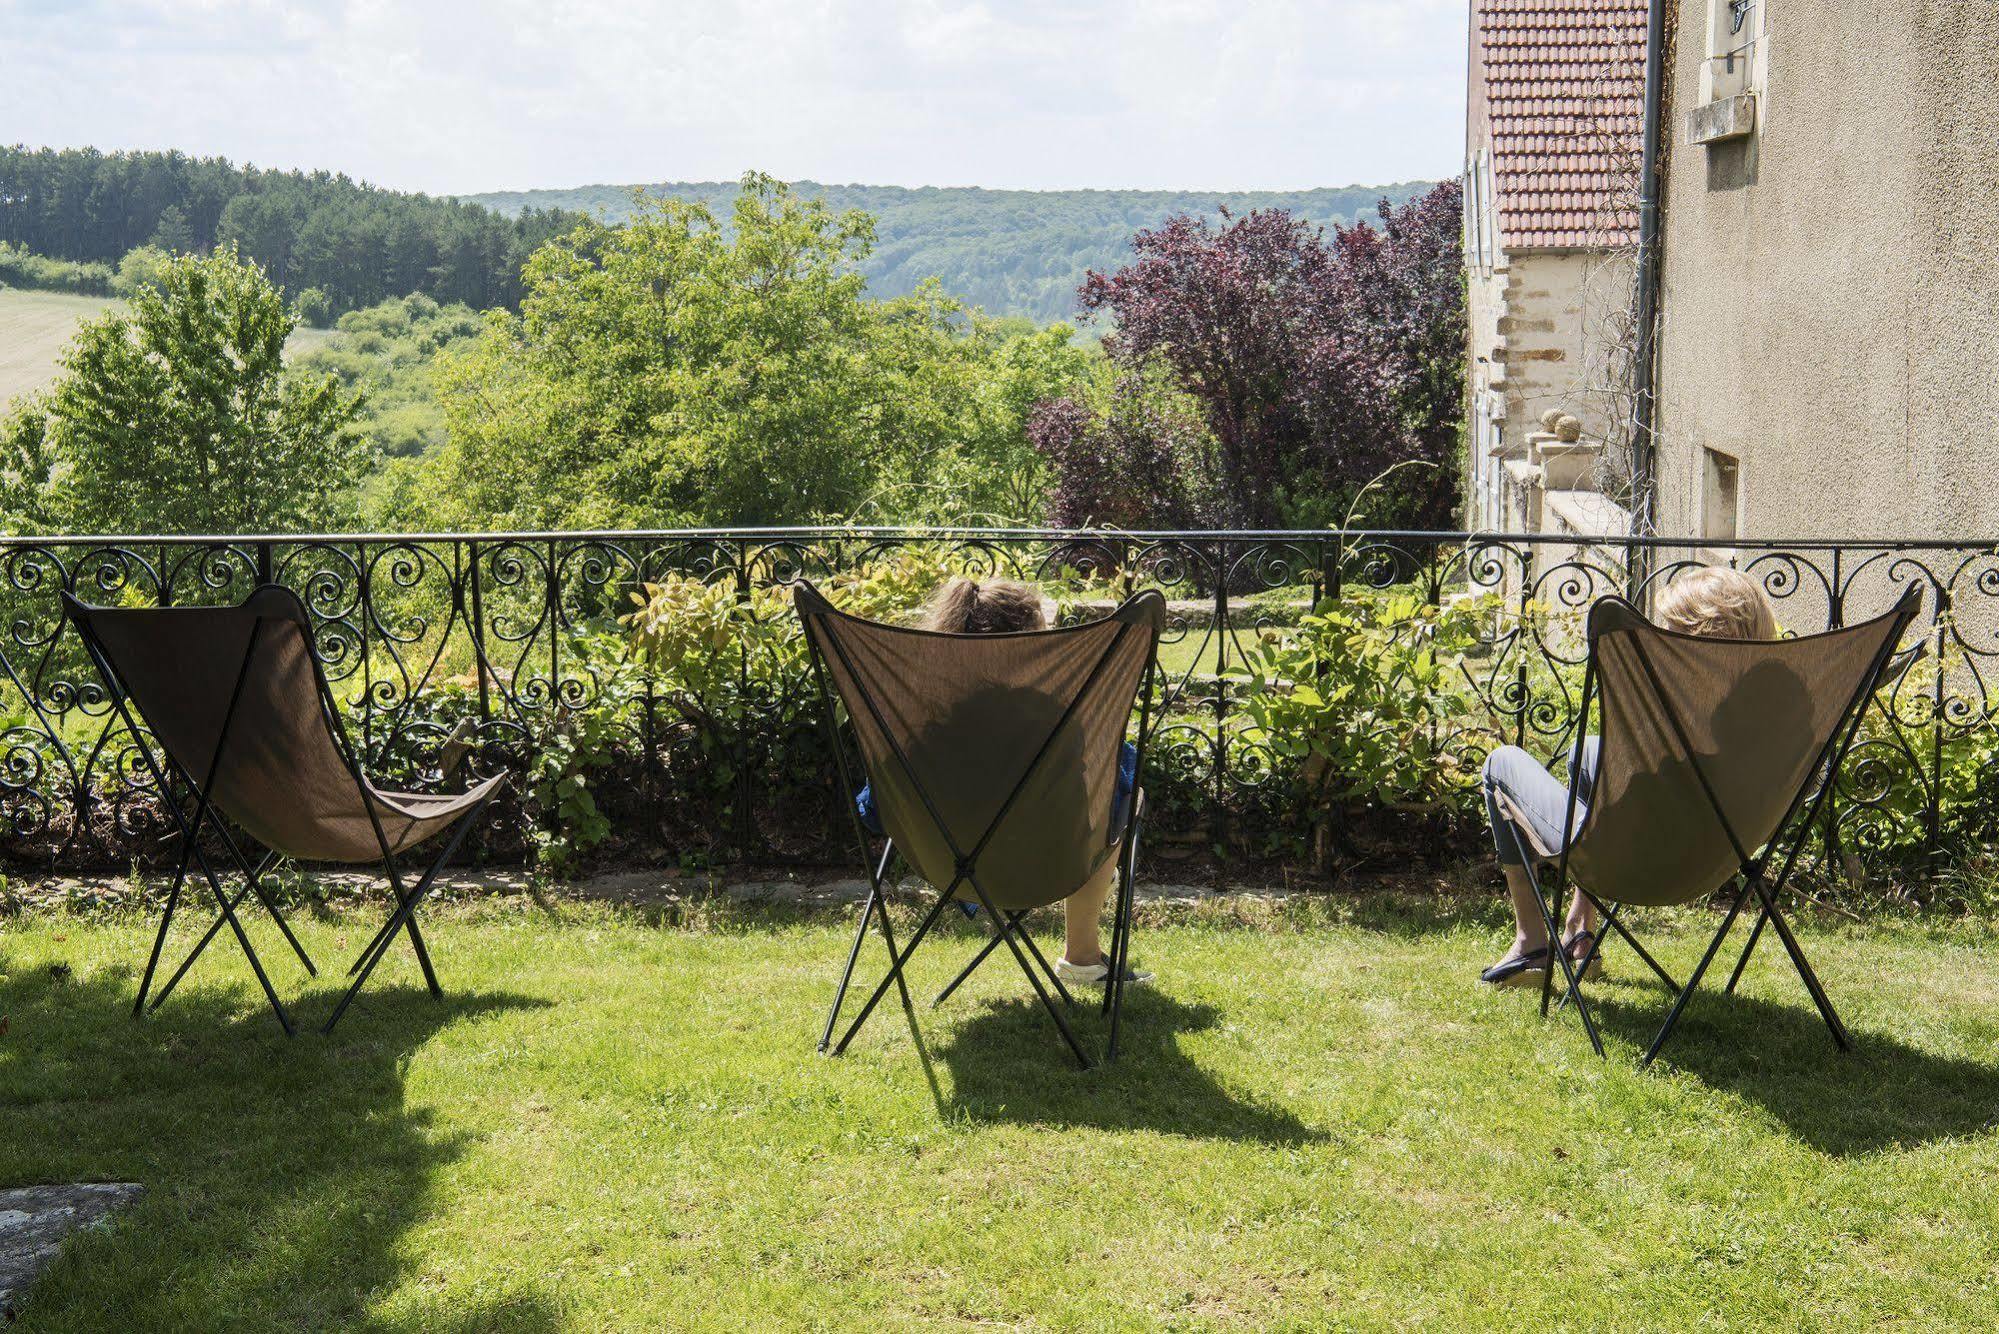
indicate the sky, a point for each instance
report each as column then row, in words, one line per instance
column 449, row 96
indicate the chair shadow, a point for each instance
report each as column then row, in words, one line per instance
column 281, row 1175
column 1881, row 1095
column 1008, row 1063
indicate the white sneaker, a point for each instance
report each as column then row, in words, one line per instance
column 1094, row 974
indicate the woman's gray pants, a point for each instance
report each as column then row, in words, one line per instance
column 1537, row 796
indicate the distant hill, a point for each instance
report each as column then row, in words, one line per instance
column 1014, row 252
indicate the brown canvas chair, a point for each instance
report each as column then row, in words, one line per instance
column 243, row 721
column 993, row 760
column 1708, row 750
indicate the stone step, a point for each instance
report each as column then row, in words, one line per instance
column 34, row 1221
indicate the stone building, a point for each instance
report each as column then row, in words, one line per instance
column 1828, row 363
column 1554, row 107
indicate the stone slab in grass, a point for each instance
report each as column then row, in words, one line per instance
column 34, row 1220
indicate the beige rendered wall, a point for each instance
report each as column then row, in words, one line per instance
column 1830, row 291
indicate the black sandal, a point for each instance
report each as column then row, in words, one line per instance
column 1585, row 944
column 1521, row 970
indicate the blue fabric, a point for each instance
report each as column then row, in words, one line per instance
column 1127, row 780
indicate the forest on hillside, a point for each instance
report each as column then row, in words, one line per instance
column 1011, row 252
column 338, row 244
column 347, row 243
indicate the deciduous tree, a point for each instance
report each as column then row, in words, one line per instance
column 678, row 370
column 179, row 416
column 1315, row 363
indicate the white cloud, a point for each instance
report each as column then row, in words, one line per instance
column 450, row 95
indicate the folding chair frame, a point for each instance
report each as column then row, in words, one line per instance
column 1007, row 929
column 1896, row 666
column 163, row 765
column 1751, row 875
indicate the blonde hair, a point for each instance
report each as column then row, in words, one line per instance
column 1718, row 603
column 968, row 607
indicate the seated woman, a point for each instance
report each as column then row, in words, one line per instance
column 1000, row 606
column 1716, row 602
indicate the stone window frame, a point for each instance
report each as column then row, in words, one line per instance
column 1737, row 49
column 1481, row 226
column 1721, row 476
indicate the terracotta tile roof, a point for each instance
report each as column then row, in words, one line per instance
column 1564, row 92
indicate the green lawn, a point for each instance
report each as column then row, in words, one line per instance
column 1319, row 1121
column 34, row 329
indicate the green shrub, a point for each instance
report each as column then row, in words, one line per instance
column 21, row 268
column 143, row 267
column 1368, row 698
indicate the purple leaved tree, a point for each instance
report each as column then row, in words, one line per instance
column 1311, row 364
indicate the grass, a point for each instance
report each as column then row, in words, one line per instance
column 1319, row 1121
column 36, row 326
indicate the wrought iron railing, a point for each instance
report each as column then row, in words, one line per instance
column 519, row 633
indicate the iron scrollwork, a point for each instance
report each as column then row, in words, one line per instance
column 510, row 634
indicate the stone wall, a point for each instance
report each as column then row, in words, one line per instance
column 1535, row 344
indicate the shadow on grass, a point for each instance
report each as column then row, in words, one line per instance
column 1008, row 1063
column 281, row 1175
column 1884, row 1094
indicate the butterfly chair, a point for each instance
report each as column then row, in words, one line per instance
column 241, row 716
column 1884, row 693
column 993, row 760
column 1708, row 750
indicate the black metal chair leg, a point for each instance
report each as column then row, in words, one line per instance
column 1015, row 924
column 254, row 875
column 160, row 940
column 404, row 912
column 1596, row 947
column 1017, row 928
column 405, row 915
column 374, row 943
column 985, row 952
column 243, row 939
column 423, row 959
column 284, row 927
column 1700, row 970
column 385, row 938
column 896, row 962
column 1120, row 963
column 1805, row 972
column 888, row 938
column 387, row 929
column 847, row 976
column 1047, row 1002
column 1755, row 934
column 860, row 934
column 1113, row 957
column 1573, row 977
column 214, row 929
column 1559, row 955
column 1616, row 924
column 1554, row 935
column 416, row 935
